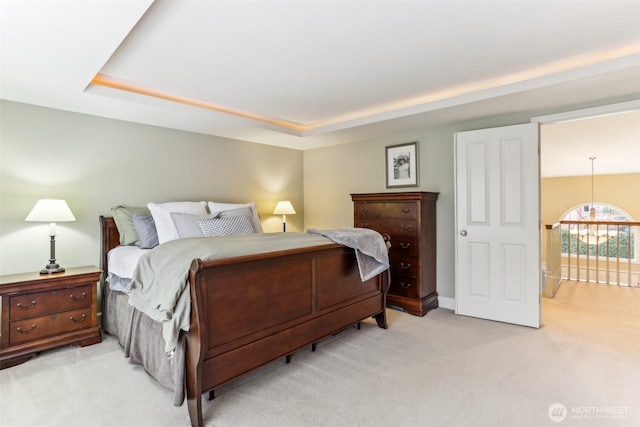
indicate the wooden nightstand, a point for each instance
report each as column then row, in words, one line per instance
column 40, row 312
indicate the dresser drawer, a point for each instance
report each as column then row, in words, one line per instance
column 404, row 286
column 45, row 326
column 393, row 227
column 386, row 210
column 403, row 266
column 404, row 246
column 37, row 304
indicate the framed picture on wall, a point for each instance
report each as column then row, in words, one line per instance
column 402, row 165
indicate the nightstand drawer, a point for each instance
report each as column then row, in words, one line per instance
column 37, row 304
column 386, row 210
column 393, row 227
column 45, row 326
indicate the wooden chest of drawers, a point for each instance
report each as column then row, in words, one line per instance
column 40, row 312
column 410, row 221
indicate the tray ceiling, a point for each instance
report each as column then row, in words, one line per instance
column 316, row 73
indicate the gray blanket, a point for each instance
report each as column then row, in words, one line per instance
column 160, row 281
column 371, row 250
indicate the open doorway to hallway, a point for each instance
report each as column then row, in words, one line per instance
column 567, row 181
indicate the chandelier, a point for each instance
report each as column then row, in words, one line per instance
column 591, row 233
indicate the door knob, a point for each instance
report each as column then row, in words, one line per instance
column 463, row 233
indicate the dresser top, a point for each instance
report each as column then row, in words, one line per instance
column 395, row 196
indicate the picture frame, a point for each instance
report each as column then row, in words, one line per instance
column 402, row 165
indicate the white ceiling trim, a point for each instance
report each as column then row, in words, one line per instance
column 542, row 76
column 480, row 91
column 135, row 88
column 588, row 113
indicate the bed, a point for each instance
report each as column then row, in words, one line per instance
column 246, row 311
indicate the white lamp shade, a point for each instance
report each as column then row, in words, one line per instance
column 284, row 207
column 51, row 210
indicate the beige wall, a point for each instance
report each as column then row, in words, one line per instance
column 53, row 153
column 95, row 163
column 560, row 194
column 332, row 173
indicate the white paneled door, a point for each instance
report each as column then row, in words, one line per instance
column 497, row 224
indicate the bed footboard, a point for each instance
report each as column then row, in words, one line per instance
column 249, row 311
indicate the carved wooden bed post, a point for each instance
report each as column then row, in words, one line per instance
column 195, row 351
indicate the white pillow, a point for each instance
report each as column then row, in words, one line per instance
column 216, row 208
column 161, row 213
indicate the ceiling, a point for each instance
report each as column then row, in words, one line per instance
column 309, row 74
column 613, row 139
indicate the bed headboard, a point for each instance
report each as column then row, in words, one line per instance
column 109, row 239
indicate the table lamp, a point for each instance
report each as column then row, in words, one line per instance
column 284, row 208
column 51, row 211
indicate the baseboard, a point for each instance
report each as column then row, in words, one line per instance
column 449, row 303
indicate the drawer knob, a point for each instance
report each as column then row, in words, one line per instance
column 80, row 298
column 406, row 210
column 365, row 210
column 405, row 285
column 20, row 306
column 405, row 227
column 81, row 319
column 364, row 225
column 405, row 245
column 405, row 266
column 33, row 327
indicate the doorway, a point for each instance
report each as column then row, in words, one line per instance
column 568, row 141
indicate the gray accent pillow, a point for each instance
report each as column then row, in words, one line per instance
column 146, row 229
column 123, row 217
column 161, row 213
column 236, row 212
column 215, row 207
column 187, row 224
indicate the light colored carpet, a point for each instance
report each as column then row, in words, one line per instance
column 440, row 370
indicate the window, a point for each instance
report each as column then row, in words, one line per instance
column 611, row 241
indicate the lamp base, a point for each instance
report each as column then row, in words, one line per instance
column 53, row 266
column 51, row 269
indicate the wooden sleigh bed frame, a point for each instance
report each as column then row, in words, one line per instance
column 248, row 311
